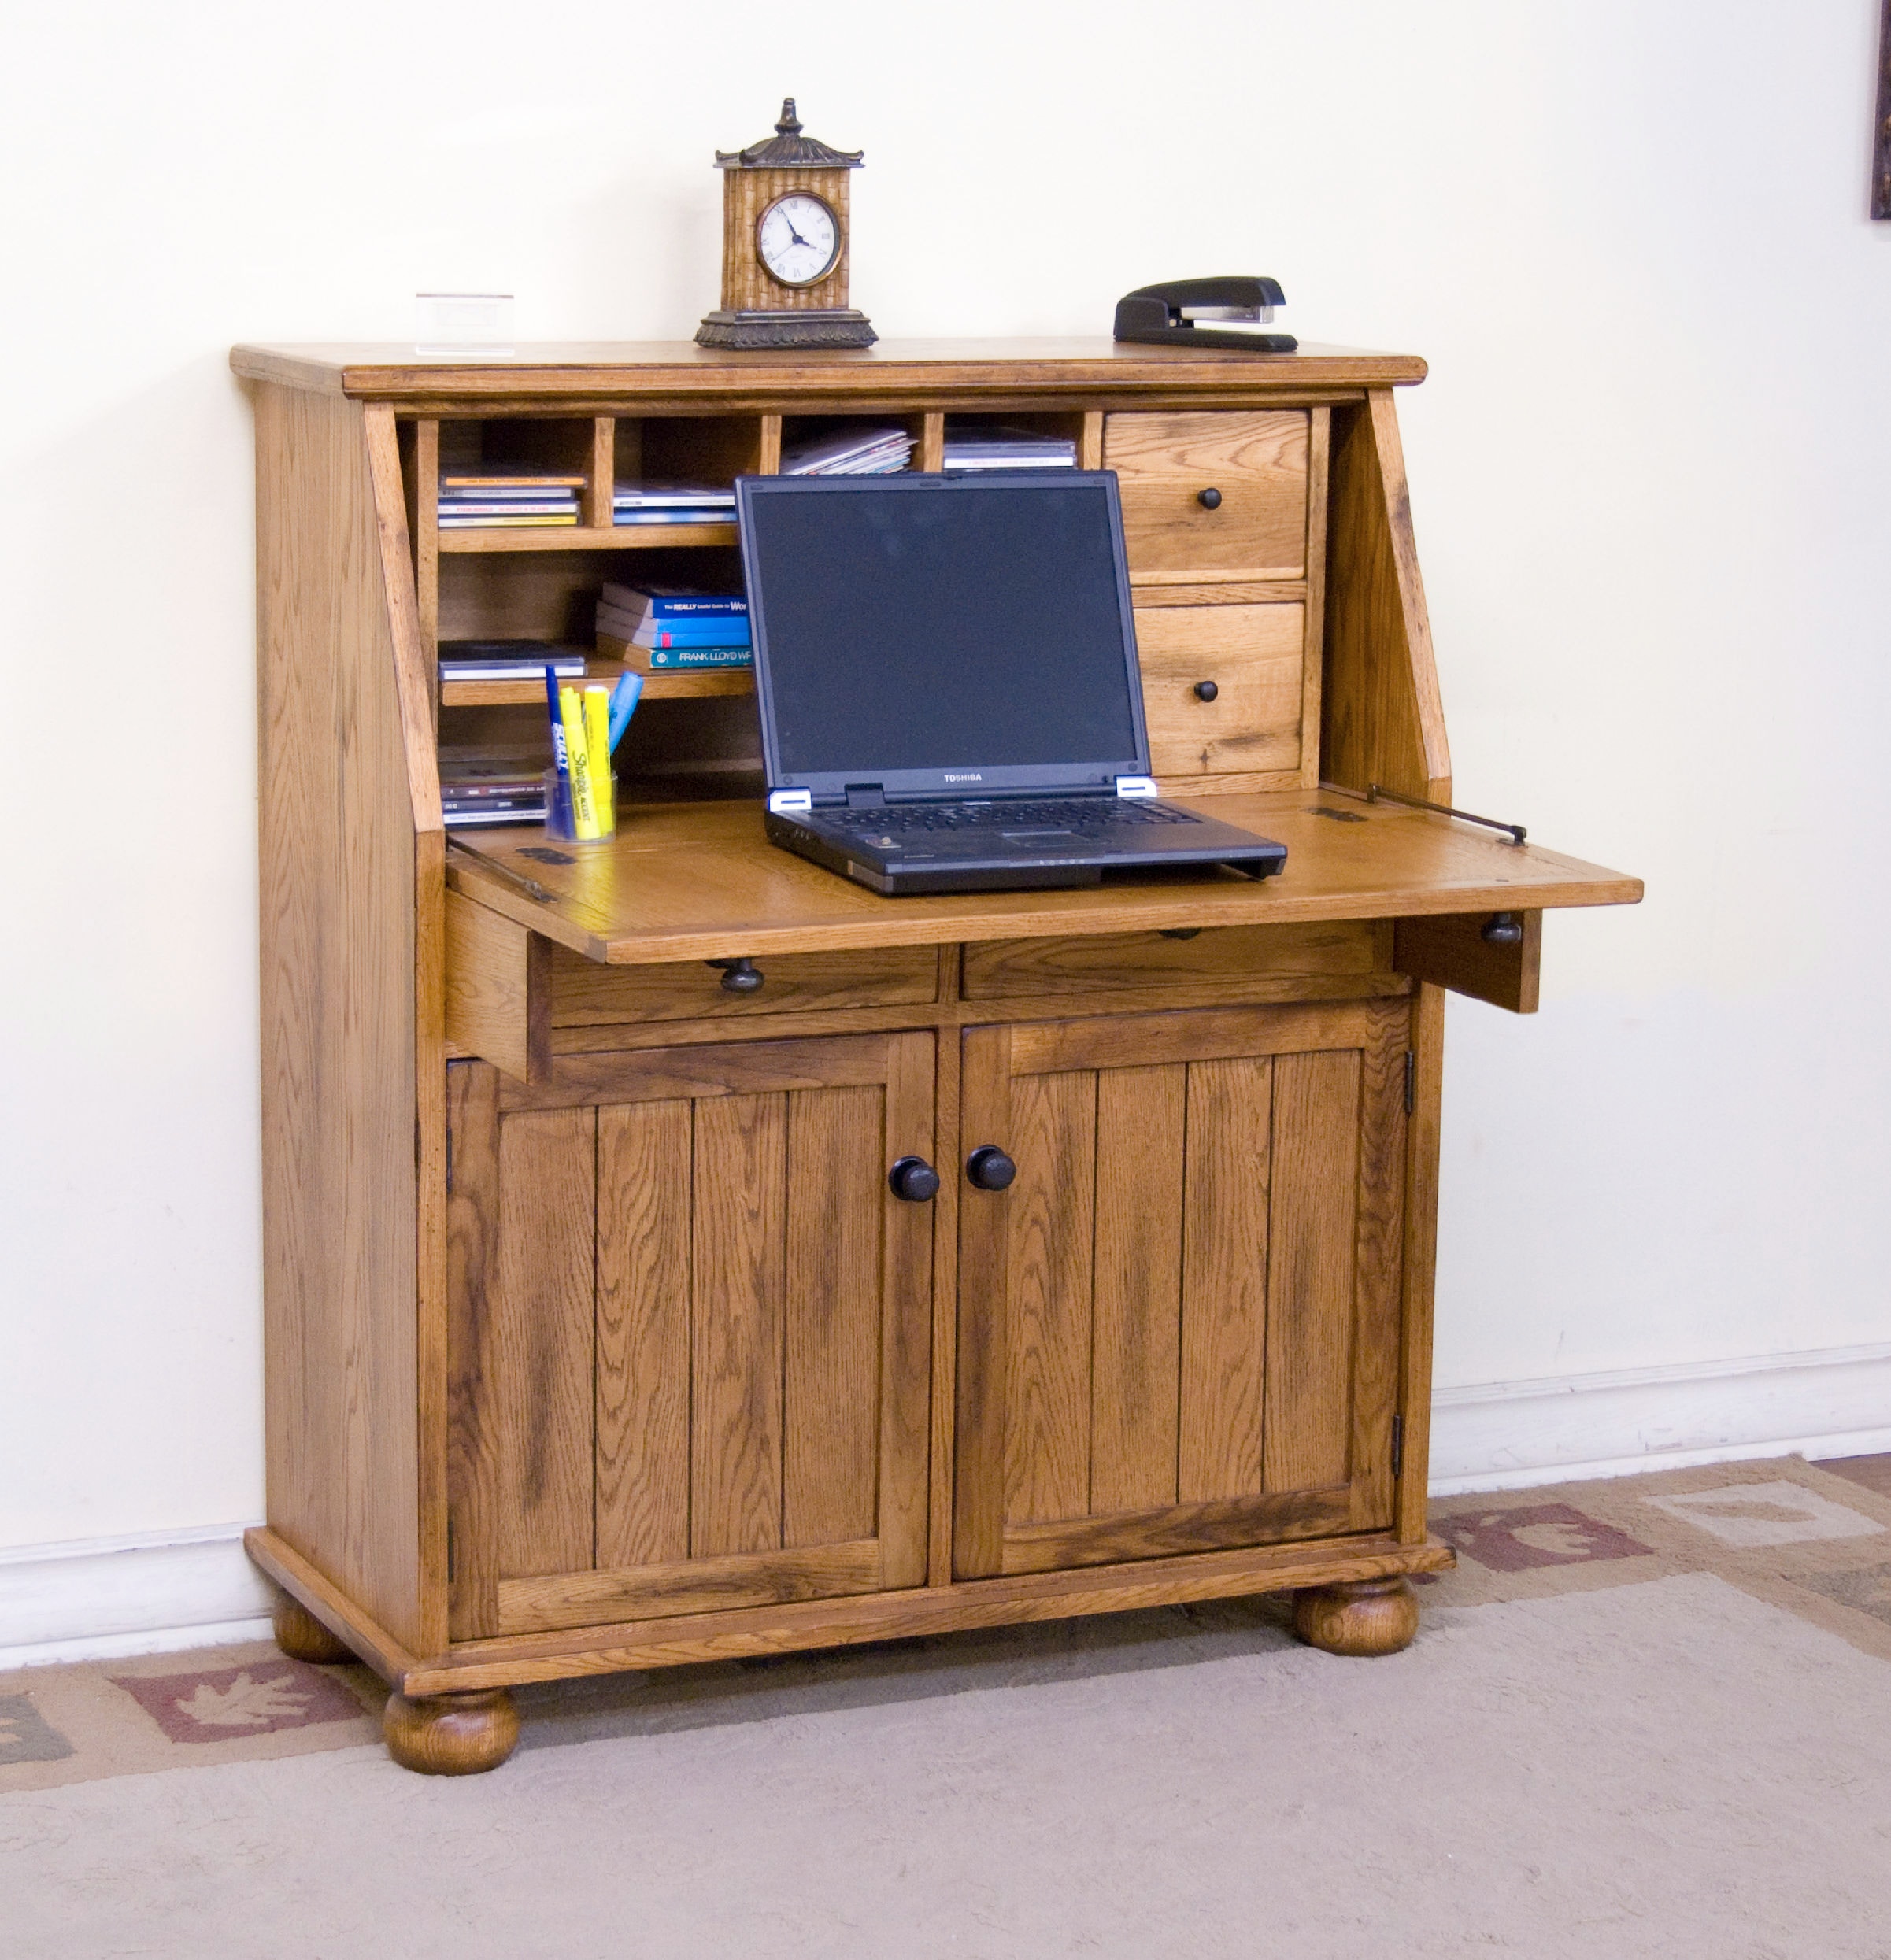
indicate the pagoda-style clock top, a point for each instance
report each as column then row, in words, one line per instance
column 785, row 245
column 788, row 149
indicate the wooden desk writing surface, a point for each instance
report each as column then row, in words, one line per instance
column 613, row 1317
column 702, row 880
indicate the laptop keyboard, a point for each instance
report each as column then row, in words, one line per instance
column 1055, row 816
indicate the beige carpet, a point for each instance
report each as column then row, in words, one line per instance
column 1648, row 1717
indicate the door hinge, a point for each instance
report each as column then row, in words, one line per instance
column 450, row 1150
column 1398, row 1448
column 1410, row 1081
column 452, row 1560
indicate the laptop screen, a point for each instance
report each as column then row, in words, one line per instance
column 942, row 634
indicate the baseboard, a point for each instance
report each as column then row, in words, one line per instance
column 100, row 1598
column 1506, row 1434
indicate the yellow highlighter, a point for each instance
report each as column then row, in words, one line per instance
column 584, row 801
column 597, row 758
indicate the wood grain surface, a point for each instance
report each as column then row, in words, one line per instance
column 1384, row 721
column 1228, row 956
column 1224, row 1282
column 1254, row 656
column 583, row 992
column 601, row 376
column 1162, row 1532
column 1135, row 1348
column 738, row 1281
column 1256, row 464
column 701, row 881
column 1312, row 1216
column 612, row 1648
column 693, row 1585
column 1453, row 953
column 342, row 877
column 645, row 1177
column 837, row 1161
column 538, row 1353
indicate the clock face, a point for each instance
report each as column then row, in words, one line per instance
column 799, row 238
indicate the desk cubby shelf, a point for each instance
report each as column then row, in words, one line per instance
column 596, row 1336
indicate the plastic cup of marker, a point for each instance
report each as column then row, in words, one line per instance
column 559, row 825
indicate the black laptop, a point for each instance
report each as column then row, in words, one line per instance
column 946, row 671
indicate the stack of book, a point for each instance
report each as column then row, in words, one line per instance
column 472, row 499
column 989, row 446
column 506, row 660
column 670, row 629
column 850, row 452
column 671, row 504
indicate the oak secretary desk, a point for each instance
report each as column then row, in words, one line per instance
column 596, row 1337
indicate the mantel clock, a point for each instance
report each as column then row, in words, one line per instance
column 785, row 246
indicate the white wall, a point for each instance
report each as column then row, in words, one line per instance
column 1650, row 472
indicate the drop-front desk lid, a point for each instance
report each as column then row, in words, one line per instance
column 700, row 881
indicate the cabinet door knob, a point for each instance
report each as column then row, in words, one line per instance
column 913, row 1179
column 1206, row 690
column 738, row 976
column 1502, row 928
column 1208, row 499
column 989, row 1169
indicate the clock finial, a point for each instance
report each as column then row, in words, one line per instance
column 790, row 124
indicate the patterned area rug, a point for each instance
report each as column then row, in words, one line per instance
column 1668, row 1690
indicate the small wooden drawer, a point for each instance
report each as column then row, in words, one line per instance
column 585, row 994
column 1234, row 960
column 510, row 991
column 1211, row 497
column 1251, row 659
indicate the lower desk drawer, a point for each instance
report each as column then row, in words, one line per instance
column 512, row 994
column 586, row 994
column 1220, row 958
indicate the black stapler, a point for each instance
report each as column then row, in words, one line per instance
column 1205, row 312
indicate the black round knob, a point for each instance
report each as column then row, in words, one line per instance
column 913, row 1179
column 989, row 1169
column 1502, row 928
column 1208, row 499
column 1206, row 690
column 739, row 976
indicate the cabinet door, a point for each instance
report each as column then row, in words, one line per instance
column 691, row 1335
column 1178, row 1326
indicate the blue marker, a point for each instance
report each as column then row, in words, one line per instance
column 624, row 697
column 558, row 820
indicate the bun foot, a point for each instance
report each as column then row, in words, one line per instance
column 1359, row 1617
column 451, row 1735
column 302, row 1636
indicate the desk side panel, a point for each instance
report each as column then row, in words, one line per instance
column 1382, row 719
column 338, row 865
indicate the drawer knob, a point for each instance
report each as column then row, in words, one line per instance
column 1208, row 499
column 1502, row 928
column 989, row 1169
column 913, row 1179
column 1206, row 690
column 738, row 976
column 1181, row 932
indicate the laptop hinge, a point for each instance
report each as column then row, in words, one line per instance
column 1136, row 786
column 780, row 800
column 866, row 796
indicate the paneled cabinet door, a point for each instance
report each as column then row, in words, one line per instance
column 690, row 1334
column 1179, row 1326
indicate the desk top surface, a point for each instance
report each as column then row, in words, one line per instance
column 563, row 371
column 701, row 881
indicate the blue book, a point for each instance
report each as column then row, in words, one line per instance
column 692, row 633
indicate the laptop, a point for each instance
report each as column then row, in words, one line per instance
column 946, row 667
